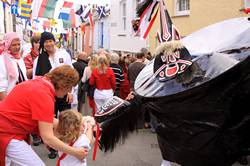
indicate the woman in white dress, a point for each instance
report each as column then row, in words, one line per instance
column 12, row 67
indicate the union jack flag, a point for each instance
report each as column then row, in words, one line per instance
column 101, row 11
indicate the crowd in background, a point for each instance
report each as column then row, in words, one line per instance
column 102, row 74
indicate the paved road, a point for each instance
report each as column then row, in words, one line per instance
column 140, row 149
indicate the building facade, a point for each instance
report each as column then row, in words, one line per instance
column 102, row 33
column 191, row 15
column 6, row 19
column 122, row 36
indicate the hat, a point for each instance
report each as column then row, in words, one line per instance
column 172, row 59
column 46, row 36
column 8, row 38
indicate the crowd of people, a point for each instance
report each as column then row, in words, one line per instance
column 47, row 91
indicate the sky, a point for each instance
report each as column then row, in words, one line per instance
column 101, row 2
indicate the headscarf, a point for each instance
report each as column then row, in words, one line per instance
column 43, row 63
column 5, row 44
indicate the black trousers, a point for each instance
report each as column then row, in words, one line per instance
column 61, row 104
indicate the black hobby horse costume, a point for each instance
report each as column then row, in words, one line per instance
column 201, row 102
column 201, row 106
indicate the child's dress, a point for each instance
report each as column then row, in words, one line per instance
column 69, row 160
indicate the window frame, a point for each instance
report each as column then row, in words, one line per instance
column 179, row 12
column 246, row 4
column 123, row 15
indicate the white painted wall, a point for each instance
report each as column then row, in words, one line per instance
column 123, row 40
column 1, row 20
column 96, row 37
column 8, row 18
column 106, row 33
column 9, row 22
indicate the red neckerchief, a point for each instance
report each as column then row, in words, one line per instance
column 16, row 56
column 34, row 53
column 63, row 155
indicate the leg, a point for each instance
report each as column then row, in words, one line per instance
column 153, row 123
column 20, row 153
column 146, row 118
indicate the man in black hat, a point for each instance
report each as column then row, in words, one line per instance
column 49, row 58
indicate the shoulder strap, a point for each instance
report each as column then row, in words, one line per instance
column 20, row 75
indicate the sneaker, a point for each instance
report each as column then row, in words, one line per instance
column 153, row 130
column 52, row 154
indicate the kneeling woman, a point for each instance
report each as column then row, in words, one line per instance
column 29, row 108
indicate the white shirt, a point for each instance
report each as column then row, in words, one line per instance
column 86, row 74
column 5, row 84
column 61, row 57
column 69, row 160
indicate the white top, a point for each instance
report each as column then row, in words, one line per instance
column 69, row 160
column 86, row 74
column 61, row 57
column 74, row 92
column 5, row 84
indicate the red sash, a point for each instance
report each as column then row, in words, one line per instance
column 63, row 155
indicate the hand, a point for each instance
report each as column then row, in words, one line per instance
column 130, row 96
column 69, row 98
column 81, row 153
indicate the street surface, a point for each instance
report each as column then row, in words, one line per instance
column 140, row 149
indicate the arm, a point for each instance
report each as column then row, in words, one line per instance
column 113, row 81
column 2, row 95
column 92, row 78
column 84, row 77
column 3, row 79
column 46, row 132
column 89, row 132
column 34, row 68
column 55, row 123
column 28, row 64
column 70, row 97
column 29, row 73
column 68, row 60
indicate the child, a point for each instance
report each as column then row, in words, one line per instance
column 77, row 131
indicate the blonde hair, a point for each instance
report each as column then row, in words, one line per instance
column 93, row 61
column 69, row 126
column 102, row 64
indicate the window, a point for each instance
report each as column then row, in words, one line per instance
column 123, row 16
column 136, row 3
column 182, row 7
column 246, row 4
column 101, row 35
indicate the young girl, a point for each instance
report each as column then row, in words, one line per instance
column 77, row 131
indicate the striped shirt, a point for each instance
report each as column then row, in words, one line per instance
column 119, row 77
